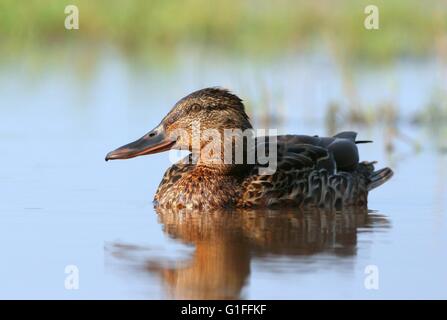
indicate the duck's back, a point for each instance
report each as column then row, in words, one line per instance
column 313, row 171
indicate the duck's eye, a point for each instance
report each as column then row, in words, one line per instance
column 195, row 107
column 152, row 134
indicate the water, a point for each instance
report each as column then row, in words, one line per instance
column 61, row 204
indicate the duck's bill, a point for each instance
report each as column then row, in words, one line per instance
column 152, row 142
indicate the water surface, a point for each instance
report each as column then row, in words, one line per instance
column 63, row 205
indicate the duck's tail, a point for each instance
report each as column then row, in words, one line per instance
column 374, row 178
column 379, row 177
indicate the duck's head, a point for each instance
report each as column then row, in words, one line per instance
column 206, row 109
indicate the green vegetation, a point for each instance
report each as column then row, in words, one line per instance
column 237, row 28
column 255, row 27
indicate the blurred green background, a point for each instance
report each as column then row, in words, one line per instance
column 167, row 34
column 259, row 28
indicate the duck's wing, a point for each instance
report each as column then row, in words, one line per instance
column 342, row 147
column 301, row 153
column 283, row 175
column 314, row 171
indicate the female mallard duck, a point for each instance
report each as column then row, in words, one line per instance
column 309, row 170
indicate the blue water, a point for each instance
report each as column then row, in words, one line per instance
column 61, row 204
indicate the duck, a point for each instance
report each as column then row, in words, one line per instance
column 309, row 171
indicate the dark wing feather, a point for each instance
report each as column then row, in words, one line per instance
column 341, row 147
column 305, row 152
column 295, row 161
column 313, row 171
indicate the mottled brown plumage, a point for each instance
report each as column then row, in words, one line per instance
column 311, row 171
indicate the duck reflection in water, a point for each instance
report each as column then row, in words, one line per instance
column 227, row 242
